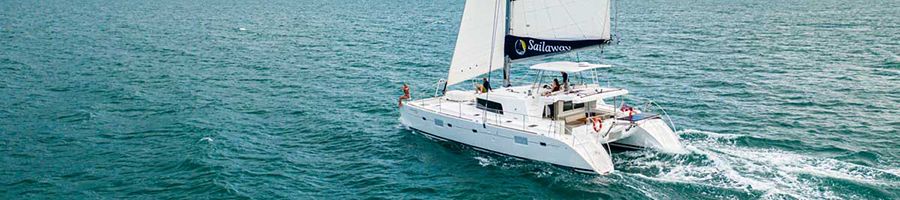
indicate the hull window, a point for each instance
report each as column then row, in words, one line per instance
column 438, row 122
column 521, row 140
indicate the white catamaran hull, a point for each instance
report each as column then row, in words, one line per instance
column 586, row 157
column 652, row 133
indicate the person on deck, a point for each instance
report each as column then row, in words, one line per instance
column 553, row 88
column 565, row 81
column 486, row 86
column 405, row 95
column 478, row 88
column 556, row 86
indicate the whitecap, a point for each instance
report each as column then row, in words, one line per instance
column 484, row 162
column 710, row 134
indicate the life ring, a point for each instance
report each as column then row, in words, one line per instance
column 598, row 123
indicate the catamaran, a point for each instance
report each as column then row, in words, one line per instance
column 570, row 126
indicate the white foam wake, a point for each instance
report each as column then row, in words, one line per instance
column 717, row 163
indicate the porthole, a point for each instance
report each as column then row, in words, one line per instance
column 474, row 131
column 543, row 144
column 450, row 125
column 423, row 118
column 532, row 126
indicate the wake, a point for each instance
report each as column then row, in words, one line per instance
column 713, row 160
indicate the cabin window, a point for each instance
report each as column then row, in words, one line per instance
column 521, row 140
column 548, row 111
column 568, row 105
column 438, row 122
column 489, row 106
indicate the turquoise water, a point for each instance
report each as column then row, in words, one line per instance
column 286, row 99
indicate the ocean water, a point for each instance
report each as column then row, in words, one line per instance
column 296, row 100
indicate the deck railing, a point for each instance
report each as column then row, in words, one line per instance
column 652, row 106
column 526, row 123
column 492, row 116
column 438, row 87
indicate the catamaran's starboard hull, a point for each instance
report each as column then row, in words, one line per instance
column 652, row 133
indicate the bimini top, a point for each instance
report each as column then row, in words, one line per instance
column 568, row 67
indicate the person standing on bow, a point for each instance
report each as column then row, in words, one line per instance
column 405, row 95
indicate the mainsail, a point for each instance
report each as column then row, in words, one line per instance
column 535, row 28
column 546, row 27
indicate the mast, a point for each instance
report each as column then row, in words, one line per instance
column 506, row 63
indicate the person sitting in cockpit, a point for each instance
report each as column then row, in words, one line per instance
column 553, row 88
column 556, row 86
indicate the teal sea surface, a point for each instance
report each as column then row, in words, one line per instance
column 225, row 99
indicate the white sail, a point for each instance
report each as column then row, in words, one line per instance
column 560, row 19
column 479, row 45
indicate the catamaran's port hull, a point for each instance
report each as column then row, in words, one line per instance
column 429, row 135
column 500, row 140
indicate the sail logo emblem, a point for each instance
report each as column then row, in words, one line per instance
column 541, row 47
column 520, row 47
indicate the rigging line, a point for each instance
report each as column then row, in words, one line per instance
column 616, row 27
column 491, row 59
column 609, row 22
column 493, row 39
